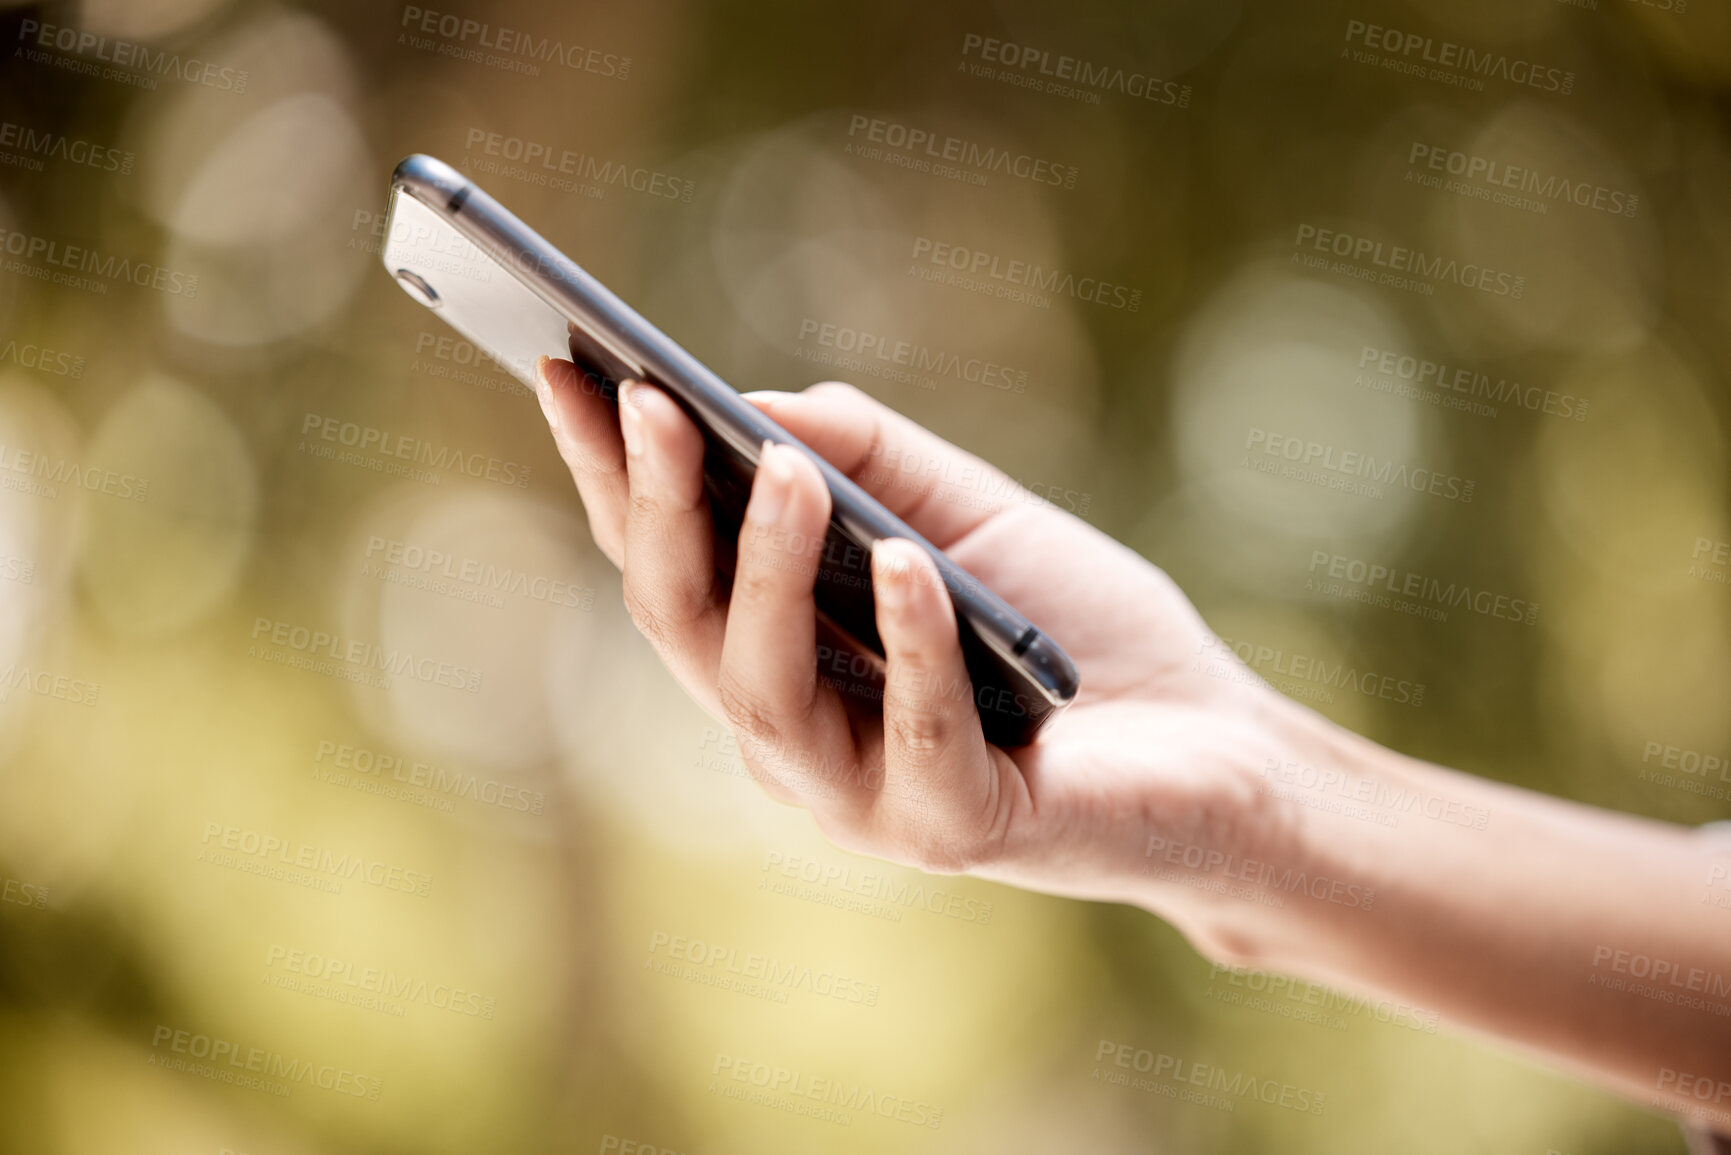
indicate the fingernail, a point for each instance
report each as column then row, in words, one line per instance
column 770, row 489
column 630, row 418
column 544, row 392
column 890, row 573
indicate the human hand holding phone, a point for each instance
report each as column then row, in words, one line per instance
column 1157, row 786
column 914, row 782
column 1176, row 779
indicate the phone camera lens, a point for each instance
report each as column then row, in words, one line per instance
column 416, row 286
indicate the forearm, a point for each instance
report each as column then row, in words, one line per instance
column 1584, row 934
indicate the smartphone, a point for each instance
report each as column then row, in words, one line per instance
column 460, row 253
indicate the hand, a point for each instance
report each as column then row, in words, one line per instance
column 1149, row 789
column 1150, row 749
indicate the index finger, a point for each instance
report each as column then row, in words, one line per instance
column 586, row 431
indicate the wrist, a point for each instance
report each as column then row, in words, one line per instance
column 1290, row 871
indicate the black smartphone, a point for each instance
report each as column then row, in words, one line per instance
column 459, row 252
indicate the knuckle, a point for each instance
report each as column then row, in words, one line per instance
column 585, row 463
column 671, row 616
column 918, row 733
column 752, row 717
column 647, row 616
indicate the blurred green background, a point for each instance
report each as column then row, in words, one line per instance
column 467, row 872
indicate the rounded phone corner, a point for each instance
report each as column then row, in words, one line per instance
column 430, row 179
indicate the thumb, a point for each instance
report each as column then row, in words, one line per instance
column 942, row 491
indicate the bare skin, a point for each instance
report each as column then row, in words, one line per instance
column 1176, row 782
